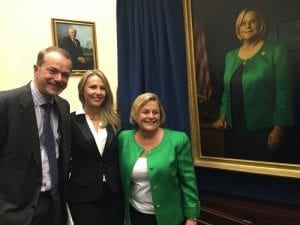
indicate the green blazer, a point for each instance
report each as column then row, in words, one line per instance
column 267, row 87
column 171, row 174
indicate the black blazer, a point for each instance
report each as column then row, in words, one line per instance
column 20, row 154
column 75, row 51
column 88, row 166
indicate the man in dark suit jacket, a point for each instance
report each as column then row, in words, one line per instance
column 29, row 195
column 72, row 45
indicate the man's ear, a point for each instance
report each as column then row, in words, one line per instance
column 35, row 67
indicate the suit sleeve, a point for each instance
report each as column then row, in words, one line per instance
column 3, row 124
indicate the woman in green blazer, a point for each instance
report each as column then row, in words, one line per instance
column 257, row 102
column 156, row 169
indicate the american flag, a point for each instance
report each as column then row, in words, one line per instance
column 204, row 87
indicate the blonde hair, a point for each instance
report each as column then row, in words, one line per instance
column 140, row 102
column 263, row 25
column 107, row 113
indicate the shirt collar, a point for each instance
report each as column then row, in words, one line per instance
column 79, row 111
column 38, row 98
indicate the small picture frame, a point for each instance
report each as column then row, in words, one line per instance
column 78, row 38
column 288, row 30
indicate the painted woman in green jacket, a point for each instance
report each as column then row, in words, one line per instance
column 156, row 169
column 257, row 102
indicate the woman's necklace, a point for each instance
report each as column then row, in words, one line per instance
column 248, row 50
column 248, row 47
column 94, row 118
column 92, row 114
column 96, row 122
column 148, row 143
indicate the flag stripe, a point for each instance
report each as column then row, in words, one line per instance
column 204, row 87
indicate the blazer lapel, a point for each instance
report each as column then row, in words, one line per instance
column 64, row 130
column 87, row 134
column 30, row 125
column 110, row 136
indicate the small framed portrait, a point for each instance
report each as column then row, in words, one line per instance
column 78, row 38
column 289, row 30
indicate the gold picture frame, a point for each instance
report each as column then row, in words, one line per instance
column 84, row 45
column 247, row 166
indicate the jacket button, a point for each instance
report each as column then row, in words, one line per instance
column 157, row 205
column 154, row 187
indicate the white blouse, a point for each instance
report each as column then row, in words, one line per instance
column 141, row 198
column 100, row 135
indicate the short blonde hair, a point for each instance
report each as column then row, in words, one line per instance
column 140, row 102
column 263, row 25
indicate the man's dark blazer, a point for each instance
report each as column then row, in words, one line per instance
column 89, row 166
column 20, row 154
column 75, row 51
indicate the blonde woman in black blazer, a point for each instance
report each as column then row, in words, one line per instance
column 94, row 191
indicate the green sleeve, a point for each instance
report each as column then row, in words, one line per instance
column 284, row 111
column 187, row 178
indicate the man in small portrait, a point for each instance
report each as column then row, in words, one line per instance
column 72, row 45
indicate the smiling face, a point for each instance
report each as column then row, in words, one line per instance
column 51, row 77
column 249, row 27
column 94, row 92
column 149, row 117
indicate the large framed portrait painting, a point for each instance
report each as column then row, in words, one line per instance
column 210, row 35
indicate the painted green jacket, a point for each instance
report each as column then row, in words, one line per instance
column 171, row 174
column 267, row 87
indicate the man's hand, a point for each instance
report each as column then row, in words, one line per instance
column 81, row 60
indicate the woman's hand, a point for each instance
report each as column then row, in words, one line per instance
column 221, row 123
column 275, row 138
column 190, row 222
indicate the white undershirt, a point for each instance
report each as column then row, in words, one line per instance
column 141, row 198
